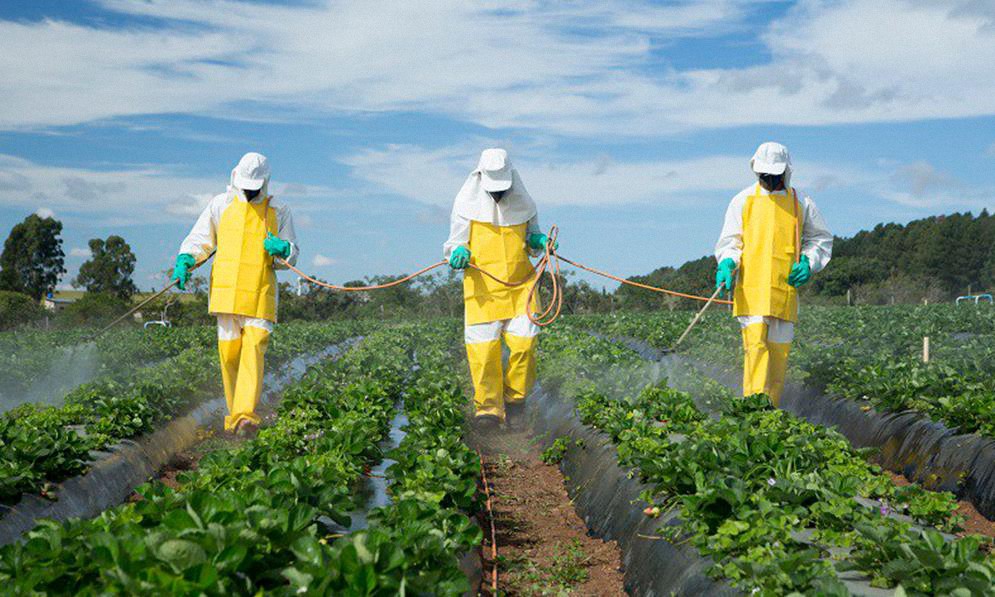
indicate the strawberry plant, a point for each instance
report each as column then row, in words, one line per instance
column 49, row 444
column 265, row 516
column 768, row 497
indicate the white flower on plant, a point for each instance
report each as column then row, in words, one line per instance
column 772, row 481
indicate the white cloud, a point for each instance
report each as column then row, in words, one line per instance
column 80, row 252
column 320, row 260
column 124, row 196
column 582, row 68
column 433, row 176
column 120, row 197
column 44, row 212
column 921, row 185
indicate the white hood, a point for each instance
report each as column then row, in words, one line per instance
column 235, row 192
column 474, row 203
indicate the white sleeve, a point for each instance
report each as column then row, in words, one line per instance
column 203, row 237
column 285, row 230
column 532, row 228
column 817, row 240
column 459, row 234
column 730, row 243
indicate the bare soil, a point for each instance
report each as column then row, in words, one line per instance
column 543, row 546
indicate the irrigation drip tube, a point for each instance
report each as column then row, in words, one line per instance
column 924, row 451
column 117, row 472
column 490, row 519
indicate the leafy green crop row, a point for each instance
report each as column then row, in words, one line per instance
column 264, row 516
column 768, row 497
column 247, row 518
column 40, row 445
column 869, row 354
column 413, row 545
column 30, row 355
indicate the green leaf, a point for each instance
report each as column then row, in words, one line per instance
column 181, row 554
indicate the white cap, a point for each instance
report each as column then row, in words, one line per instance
column 771, row 158
column 495, row 170
column 251, row 173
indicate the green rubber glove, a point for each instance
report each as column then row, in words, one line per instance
column 801, row 272
column 725, row 275
column 539, row 242
column 181, row 271
column 459, row 258
column 277, row 247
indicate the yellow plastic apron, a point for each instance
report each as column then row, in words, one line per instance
column 770, row 224
column 501, row 251
column 242, row 279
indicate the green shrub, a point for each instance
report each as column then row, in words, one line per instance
column 94, row 308
column 17, row 308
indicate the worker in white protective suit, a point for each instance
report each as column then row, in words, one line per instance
column 247, row 229
column 772, row 241
column 494, row 226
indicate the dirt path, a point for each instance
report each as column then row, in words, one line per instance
column 543, row 546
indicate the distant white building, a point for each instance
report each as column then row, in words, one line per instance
column 56, row 305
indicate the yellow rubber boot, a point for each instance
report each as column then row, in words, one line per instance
column 250, row 377
column 521, row 373
column 231, row 352
column 756, row 359
column 485, row 371
column 777, row 368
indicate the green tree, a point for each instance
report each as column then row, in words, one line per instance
column 32, row 259
column 109, row 268
column 17, row 309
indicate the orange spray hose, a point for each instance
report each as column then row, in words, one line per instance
column 548, row 264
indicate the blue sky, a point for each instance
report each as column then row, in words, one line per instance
column 631, row 123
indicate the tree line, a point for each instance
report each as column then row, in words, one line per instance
column 934, row 259
column 32, row 264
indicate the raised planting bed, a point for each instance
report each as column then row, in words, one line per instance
column 267, row 516
column 872, row 355
column 431, row 480
column 606, row 496
column 777, row 504
column 115, row 473
column 42, row 446
column 909, row 443
column 39, row 366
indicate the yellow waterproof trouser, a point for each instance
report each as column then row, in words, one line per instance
column 494, row 386
column 765, row 363
column 521, row 373
column 242, row 368
column 486, row 373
